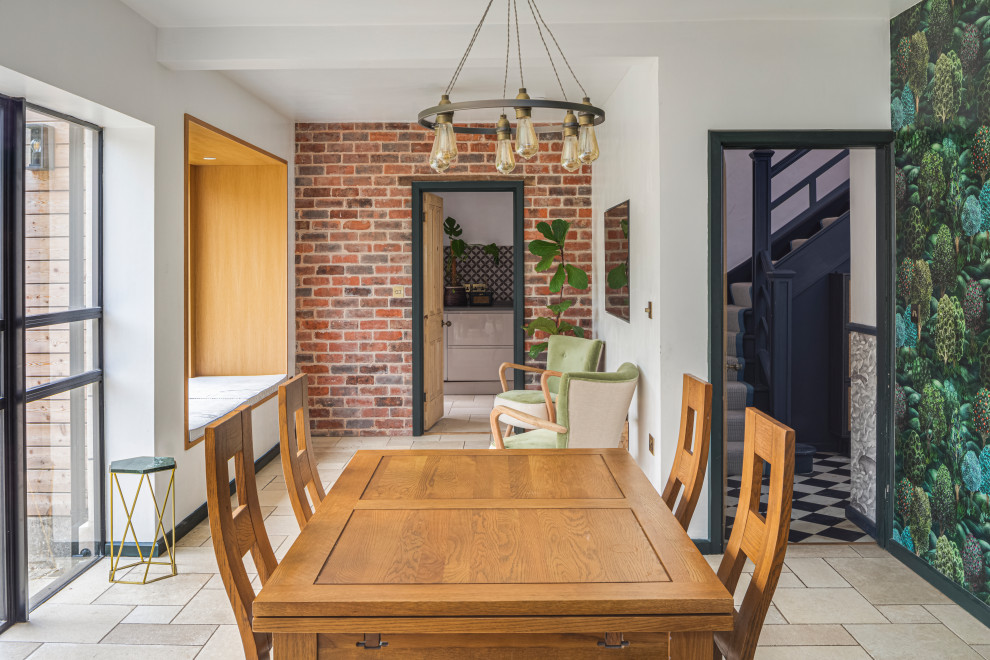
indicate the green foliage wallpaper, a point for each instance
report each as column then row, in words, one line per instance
column 940, row 108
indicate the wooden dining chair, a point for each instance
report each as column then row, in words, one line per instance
column 298, row 459
column 236, row 531
column 762, row 539
column 691, row 460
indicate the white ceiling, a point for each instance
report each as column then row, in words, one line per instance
column 264, row 13
column 384, row 60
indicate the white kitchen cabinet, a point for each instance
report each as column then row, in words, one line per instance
column 476, row 342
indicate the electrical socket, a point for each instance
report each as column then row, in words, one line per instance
column 398, row 292
column 651, row 445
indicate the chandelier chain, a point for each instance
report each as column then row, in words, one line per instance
column 547, row 48
column 559, row 49
column 522, row 81
column 460, row 65
column 508, row 41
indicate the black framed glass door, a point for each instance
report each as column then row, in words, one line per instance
column 52, row 380
column 63, row 375
column 13, row 557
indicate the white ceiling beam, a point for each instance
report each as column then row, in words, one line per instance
column 389, row 46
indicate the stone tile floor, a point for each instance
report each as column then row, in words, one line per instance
column 465, row 413
column 833, row 601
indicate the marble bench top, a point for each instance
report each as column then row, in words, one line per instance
column 212, row 397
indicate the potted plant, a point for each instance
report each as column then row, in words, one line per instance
column 552, row 251
column 454, row 294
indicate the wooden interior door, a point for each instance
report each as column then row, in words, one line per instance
column 432, row 309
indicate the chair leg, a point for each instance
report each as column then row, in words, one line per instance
column 509, row 429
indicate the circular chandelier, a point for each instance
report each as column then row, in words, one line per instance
column 580, row 145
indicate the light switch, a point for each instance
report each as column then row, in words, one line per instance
column 397, row 292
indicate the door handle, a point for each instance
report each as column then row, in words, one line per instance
column 446, row 323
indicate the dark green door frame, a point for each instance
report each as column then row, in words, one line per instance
column 518, row 289
column 882, row 141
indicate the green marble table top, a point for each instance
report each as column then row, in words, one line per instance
column 143, row 464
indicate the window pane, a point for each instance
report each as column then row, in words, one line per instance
column 62, row 482
column 59, row 351
column 60, row 214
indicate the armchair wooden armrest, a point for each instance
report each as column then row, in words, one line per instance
column 512, row 365
column 498, row 411
column 545, row 386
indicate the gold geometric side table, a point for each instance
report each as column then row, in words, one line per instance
column 144, row 466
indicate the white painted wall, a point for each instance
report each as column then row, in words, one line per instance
column 97, row 60
column 863, row 237
column 629, row 168
column 485, row 217
column 710, row 75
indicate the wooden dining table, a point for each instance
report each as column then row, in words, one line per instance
column 546, row 553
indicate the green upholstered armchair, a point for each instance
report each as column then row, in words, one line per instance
column 563, row 354
column 591, row 409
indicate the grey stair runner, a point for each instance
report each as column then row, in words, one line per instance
column 742, row 294
column 735, row 424
column 738, row 395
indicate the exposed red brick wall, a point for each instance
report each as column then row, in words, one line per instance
column 354, row 243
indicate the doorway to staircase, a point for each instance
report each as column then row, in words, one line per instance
column 797, row 253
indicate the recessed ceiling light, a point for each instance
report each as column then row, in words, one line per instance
column 209, row 157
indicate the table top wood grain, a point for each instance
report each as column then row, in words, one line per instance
column 468, row 535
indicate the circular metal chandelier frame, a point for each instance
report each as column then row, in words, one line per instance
column 428, row 116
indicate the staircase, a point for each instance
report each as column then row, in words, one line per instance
column 804, row 236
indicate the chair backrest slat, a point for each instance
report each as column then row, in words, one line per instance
column 298, row 458
column 691, row 459
column 761, row 538
column 237, row 531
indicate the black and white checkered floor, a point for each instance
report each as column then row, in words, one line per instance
column 818, row 512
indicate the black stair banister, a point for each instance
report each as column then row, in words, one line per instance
column 810, row 182
column 762, row 264
column 788, row 160
column 772, row 298
column 805, row 225
column 781, row 305
column 823, row 253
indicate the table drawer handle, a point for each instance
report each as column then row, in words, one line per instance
column 372, row 642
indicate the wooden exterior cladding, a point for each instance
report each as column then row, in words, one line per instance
column 236, row 269
column 58, row 214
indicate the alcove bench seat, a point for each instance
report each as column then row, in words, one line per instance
column 212, row 397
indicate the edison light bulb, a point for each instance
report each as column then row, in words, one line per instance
column 437, row 161
column 449, row 144
column 587, row 144
column 587, row 141
column 569, row 156
column 505, row 162
column 527, row 143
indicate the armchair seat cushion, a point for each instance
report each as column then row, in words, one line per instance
column 530, row 402
column 537, row 439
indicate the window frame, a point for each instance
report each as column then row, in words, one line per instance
column 14, row 326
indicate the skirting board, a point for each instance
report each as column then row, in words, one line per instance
column 861, row 521
column 961, row 596
column 187, row 524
